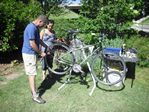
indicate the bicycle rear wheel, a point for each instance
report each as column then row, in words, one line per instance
column 106, row 66
column 63, row 59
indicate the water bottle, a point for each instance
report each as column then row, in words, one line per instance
column 123, row 49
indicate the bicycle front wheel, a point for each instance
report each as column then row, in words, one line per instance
column 63, row 59
column 108, row 68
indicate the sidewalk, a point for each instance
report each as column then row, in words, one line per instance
column 141, row 27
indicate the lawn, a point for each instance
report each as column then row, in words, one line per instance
column 15, row 96
column 67, row 14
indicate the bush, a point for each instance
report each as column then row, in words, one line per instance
column 112, row 17
column 141, row 44
column 63, row 25
column 14, row 16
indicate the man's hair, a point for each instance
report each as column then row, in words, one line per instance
column 43, row 18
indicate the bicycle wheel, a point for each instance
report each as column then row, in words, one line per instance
column 63, row 59
column 105, row 65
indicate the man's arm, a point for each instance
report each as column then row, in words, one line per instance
column 35, row 47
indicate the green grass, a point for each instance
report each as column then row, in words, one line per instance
column 15, row 96
column 146, row 21
column 67, row 14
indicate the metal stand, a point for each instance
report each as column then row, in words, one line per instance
column 80, row 70
column 89, row 67
column 67, row 80
column 93, row 78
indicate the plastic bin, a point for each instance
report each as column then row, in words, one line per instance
column 113, row 50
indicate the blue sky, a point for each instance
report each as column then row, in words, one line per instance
column 74, row 1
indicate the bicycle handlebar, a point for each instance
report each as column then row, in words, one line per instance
column 73, row 31
column 72, row 34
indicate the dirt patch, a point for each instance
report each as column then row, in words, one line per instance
column 6, row 69
column 9, row 72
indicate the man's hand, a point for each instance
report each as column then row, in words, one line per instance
column 34, row 46
column 42, row 54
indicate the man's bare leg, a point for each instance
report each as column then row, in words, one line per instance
column 32, row 84
column 35, row 95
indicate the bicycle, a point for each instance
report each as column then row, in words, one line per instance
column 97, row 59
column 108, row 66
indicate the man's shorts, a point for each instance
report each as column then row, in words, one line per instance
column 30, row 63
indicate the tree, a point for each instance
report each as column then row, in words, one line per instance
column 90, row 8
column 111, row 16
column 146, row 7
column 14, row 16
column 51, row 6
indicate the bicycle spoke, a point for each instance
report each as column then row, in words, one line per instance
column 62, row 59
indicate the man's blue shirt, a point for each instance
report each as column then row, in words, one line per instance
column 31, row 32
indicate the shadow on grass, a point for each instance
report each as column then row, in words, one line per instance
column 78, row 78
column 49, row 81
column 52, row 78
column 111, row 88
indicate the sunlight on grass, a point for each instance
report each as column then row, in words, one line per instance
column 145, row 22
column 15, row 96
column 67, row 14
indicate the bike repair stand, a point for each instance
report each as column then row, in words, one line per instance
column 77, row 68
column 93, row 78
column 67, row 80
column 89, row 67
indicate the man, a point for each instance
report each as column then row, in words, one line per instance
column 30, row 50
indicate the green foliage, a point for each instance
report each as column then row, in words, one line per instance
column 87, row 24
column 63, row 25
column 116, row 42
column 52, row 6
column 112, row 17
column 65, row 14
column 14, row 16
column 90, row 8
column 141, row 44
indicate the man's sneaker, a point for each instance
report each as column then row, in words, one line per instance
column 39, row 100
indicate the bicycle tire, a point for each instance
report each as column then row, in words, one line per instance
column 102, row 68
column 63, row 59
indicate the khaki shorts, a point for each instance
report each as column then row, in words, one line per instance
column 30, row 64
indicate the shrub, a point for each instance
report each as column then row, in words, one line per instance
column 63, row 25
column 14, row 16
column 141, row 44
column 112, row 17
